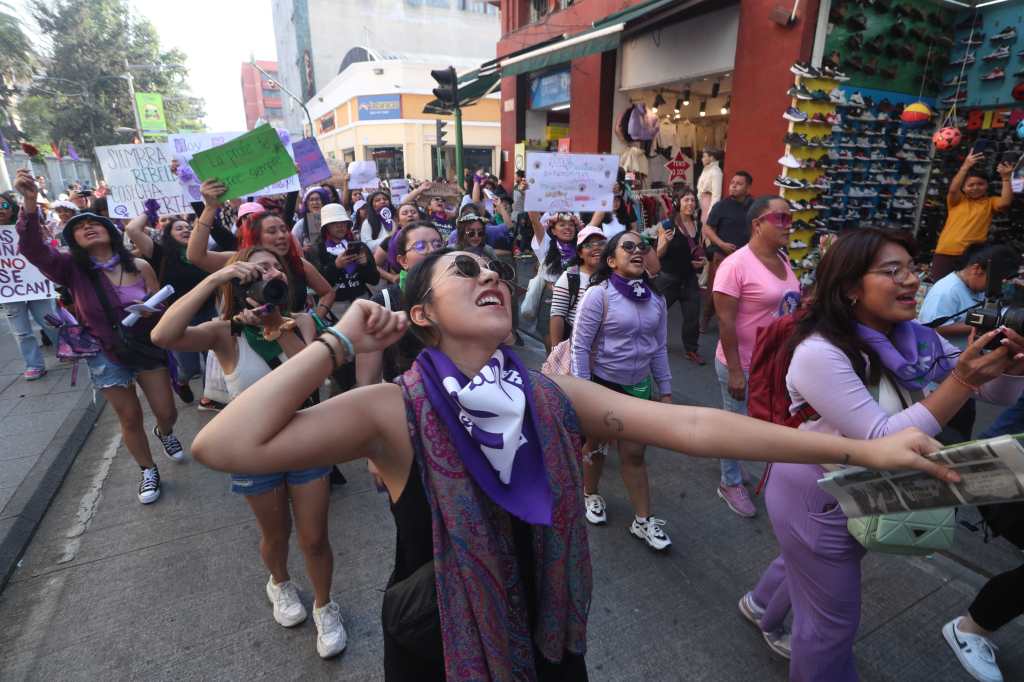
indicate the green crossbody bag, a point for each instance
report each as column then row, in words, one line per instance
column 915, row 533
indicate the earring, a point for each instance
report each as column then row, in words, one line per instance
column 853, row 300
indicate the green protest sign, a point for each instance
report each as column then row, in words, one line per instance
column 247, row 163
column 151, row 111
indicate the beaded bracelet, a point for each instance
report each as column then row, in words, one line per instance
column 344, row 340
column 958, row 378
column 330, row 349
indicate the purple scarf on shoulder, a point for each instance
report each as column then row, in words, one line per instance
column 912, row 353
column 485, row 626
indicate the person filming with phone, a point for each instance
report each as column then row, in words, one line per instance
column 970, row 211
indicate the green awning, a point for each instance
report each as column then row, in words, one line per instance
column 587, row 43
column 634, row 12
column 472, row 87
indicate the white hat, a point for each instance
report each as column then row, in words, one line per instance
column 334, row 213
column 63, row 203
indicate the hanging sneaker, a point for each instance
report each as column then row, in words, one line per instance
column 789, row 183
column 966, row 60
column 805, row 70
column 650, row 531
column 795, row 139
column 330, row 630
column 1008, row 33
column 790, row 161
column 288, row 610
column 172, row 446
column 976, row 654
column 738, row 500
column 996, row 74
column 149, row 486
column 856, row 99
column 973, row 40
column 997, row 54
column 795, row 115
column 800, row 92
column 776, row 641
column 595, row 509
column 837, row 97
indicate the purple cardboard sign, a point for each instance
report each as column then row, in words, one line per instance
column 312, row 165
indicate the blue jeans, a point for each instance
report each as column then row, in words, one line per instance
column 21, row 326
column 248, row 484
column 1010, row 421
column 732, row 474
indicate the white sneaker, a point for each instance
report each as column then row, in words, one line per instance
column 595, row 507
column 149, row 486
column 776, row 641
column 330, row 631
column 288, row 610
column 790, row 161
column 976, row 654
column 650, row 532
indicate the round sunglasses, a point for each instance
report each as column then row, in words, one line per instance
column 631, row 246
column 470, row 268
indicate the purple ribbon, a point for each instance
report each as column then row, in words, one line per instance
column 480, row 414
column 114, row 261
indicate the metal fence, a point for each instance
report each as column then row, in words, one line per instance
column 59, row 173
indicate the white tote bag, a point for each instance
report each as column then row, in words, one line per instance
column 216, row 386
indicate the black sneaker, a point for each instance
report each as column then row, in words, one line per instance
column 172, row 446
column 800, row 92
column 184, row 392
column 789, row 183
column 149, row 486
column 797, row 139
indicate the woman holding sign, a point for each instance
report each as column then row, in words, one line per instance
column 104, row 279
column 494, row 535
column 266, row 230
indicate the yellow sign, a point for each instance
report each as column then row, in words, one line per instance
column 556, row 132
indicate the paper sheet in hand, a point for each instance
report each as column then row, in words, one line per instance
column 991, row 470
column 570, row 182
column 247, row 163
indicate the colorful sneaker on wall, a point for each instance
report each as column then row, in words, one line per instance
column 966, row 60
column 996, row 74
column 1009, row 33
column 997, row 54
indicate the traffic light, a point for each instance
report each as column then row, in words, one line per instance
column 447, row 90
column 441, row 132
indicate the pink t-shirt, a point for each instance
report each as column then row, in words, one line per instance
column 762, row 297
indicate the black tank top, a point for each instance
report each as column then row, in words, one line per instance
column 298, row 286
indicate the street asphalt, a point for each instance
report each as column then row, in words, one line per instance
column 109, row 589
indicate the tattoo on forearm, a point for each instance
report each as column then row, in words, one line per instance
column 611, row 421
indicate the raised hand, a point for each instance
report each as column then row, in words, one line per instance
column 371, row 327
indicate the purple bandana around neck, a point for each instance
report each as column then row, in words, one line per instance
column 491, row 421
column 912, row 353
column 633, row 289
column 566, row 252
column 114, row 261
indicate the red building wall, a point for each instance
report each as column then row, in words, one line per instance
column 252, row 92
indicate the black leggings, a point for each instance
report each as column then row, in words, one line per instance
column 1000, row 600
column 687, row 292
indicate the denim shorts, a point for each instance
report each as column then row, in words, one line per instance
column 106, row 372
column 257, row 484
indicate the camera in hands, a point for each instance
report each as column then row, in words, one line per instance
column 1003, row 306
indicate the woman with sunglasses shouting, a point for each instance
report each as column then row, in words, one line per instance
column 480, row 458
column 619, row 340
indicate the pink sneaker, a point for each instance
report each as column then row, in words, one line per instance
column 32, row 374
column 738, row 499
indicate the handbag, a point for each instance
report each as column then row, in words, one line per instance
column 74, row 342
column 914, row 533
column 410, row 613
column 133, row 349
column 534, row 294
column 559, row 360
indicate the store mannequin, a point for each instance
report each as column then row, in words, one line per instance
column 709, row 185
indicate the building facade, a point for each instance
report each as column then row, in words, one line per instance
column 373, row 110
column 317, row 39
column 261, row 95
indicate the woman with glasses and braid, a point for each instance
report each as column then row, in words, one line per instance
column 860, row 366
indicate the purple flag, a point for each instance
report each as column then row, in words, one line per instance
column 72, row 152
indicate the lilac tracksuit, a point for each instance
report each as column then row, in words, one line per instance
column 631, row 344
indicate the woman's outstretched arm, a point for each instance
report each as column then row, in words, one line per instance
column 262, row 430
column 705, row 432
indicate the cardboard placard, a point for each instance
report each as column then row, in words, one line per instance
column 570, row 182
column 247, row 163
column 312, row 165
column 136, row 172
column 19, row 279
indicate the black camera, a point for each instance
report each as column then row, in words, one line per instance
column 263, row 291
column 999, row 310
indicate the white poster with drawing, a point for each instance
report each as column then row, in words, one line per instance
column 570, row 182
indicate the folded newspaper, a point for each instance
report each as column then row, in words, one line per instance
column 991, row 470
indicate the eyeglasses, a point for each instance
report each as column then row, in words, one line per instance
column 595, row 245
column 4, row 205
column 899, row 274
column 474, row 233
column 778, row 219
column 631, row 246
column 425, row 245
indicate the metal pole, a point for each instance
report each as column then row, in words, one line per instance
column 135, row 108
column 458, row 147
column 312, row 130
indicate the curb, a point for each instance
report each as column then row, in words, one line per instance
column 25, row 510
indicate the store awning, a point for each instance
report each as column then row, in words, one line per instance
column 606, row 34
column 472, row 86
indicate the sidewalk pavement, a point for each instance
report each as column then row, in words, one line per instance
column 43, row 424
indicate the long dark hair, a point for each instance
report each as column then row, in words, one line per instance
column 117, row 247
column 553, row 258
column 172, row 250
column 604, row 271
column 830, row 312
column 417, row 284
column 376, row 224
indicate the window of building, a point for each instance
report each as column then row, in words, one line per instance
column 473, row 158
column 390, row 160
column 274, row 111
column 443, row 4
column 538, row 9
column 268, row 92
column 348, row 155
column 326, row 122
column 478, row 7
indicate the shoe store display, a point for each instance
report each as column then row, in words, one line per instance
column 996, row 74
column 997, row 54
column 1007, row 34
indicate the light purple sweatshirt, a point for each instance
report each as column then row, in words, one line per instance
column 631, row 345
column 822, row 376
